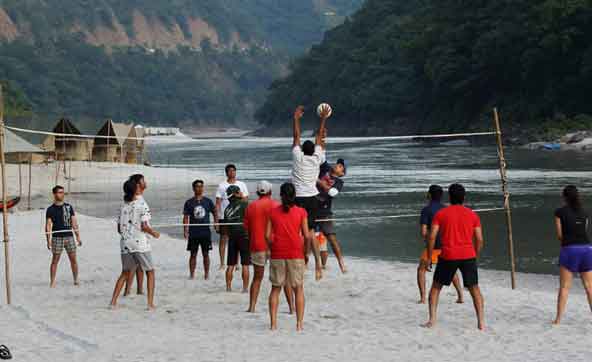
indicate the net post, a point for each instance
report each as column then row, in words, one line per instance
column 5, row 202
column 504, row 181
column 30, row 181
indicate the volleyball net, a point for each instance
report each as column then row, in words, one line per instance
column 94, row 187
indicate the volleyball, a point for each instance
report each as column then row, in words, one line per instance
column 323, row 105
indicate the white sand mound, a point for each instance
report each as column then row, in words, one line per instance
column 367, row 315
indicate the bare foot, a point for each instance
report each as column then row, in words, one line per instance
column 113, row 306
column 52, row 284
column 151, row 308
column 222, row 267
column 556, row 322
column 421, row 301
column 429, row 324
column 342, row 267
column 299, row 327
column 460, row 301
column 273, row 327
column 481, row 326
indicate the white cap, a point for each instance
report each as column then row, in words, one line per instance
column 264, row 188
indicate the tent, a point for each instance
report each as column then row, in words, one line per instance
column 134, row 145
column 68, row 148
column 17, row 149
column 111, row 149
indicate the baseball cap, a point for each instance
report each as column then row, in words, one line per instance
column 263, row 188
column 341, row 161
column 232, row 189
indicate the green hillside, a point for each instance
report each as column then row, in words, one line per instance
column 436, row 65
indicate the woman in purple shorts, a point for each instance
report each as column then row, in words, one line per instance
column 572, row 224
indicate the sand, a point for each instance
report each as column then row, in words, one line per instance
column 370, row 314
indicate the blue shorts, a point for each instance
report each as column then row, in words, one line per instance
column 576, row 258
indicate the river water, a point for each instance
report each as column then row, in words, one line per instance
column 388, row 177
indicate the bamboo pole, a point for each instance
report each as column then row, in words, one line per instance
column 20, row 170
column 30, row 181
column 5, row 202
column 504, row 180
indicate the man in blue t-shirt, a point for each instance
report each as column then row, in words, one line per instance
column 434, row 196
column 197, row 211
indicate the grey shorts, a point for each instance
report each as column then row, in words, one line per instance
column 131, row 261
column 58, row 244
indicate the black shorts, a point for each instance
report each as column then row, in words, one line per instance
column 326, row 227
column 312, row 206
column 238, row 245
column 193, row 245
column 446, row 269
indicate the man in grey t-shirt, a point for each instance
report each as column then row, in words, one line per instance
column 307, row 159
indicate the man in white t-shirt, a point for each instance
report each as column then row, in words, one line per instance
column 306, row 162
column 222, row 202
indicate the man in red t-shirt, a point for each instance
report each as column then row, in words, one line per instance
column 255, row 223
column 458, row 227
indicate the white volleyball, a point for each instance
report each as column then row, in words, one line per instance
column 323, row 105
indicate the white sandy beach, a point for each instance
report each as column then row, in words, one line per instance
column 369, row 314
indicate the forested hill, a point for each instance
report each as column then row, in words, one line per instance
column 155, row 61
column 434, row 65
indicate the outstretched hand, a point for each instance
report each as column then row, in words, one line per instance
column 325, row 112
column 299, row 112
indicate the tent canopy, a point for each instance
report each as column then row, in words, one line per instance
column 16, row 144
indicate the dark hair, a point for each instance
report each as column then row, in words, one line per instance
column 197, row 182
column 572, row 197
column 436, row 192
column 308, row 148
column 129, row 190
column 137, row 178
column 228, row 167
column 288, row 195
column 57, row 188
column 456, row 192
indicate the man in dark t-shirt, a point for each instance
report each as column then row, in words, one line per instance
column 329, row 184
column 196, row 211
column 238, row 239
column 60, row 221
column 434, row 196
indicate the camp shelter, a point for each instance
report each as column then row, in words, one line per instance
column 67, row 146
column 109, row 145
column 17, row 149
column 134, row 145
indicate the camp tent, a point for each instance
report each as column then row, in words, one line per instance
column 68, row 147
column 134, row 145
column 17, row 149
column 111, row 149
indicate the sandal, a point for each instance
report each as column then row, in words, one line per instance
column 4, row 353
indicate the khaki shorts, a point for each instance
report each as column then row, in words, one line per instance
column 290, row 271
column 259, row 258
